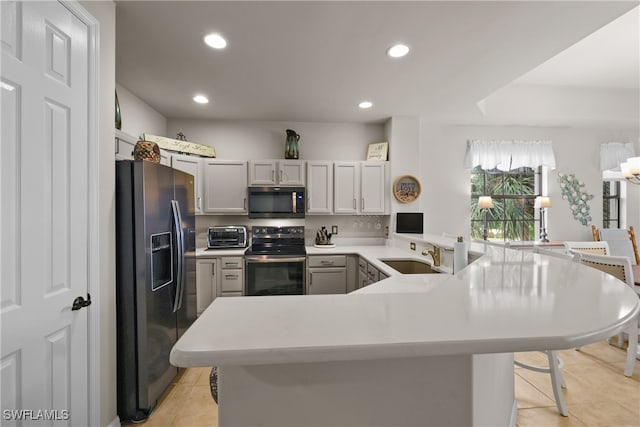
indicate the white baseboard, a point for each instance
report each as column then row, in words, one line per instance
column 115, row 422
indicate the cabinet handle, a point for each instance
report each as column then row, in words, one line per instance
column 310, row 278
column 273, row 175
column 325, row 262
column 199, row 203
column 230, row 276
column 354, row 203
column 231, row 264
column 280, row 175
column 244, row 204
column 362, row 205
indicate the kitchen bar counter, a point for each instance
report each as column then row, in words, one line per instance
column 391, row 351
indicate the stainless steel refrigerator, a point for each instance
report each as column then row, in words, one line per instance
column 155, row 279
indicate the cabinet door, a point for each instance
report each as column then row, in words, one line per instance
column 191, row 165
column 372, row 274
column 291, row 172
column 262, row 172
column 165, row 158
column 319, row 187
column 373, row 188
column 231, row 280
column 346, row 187
column 363, row 280
column 206, row 286
column 225, row 186
column 327, row 281
column 124, row 146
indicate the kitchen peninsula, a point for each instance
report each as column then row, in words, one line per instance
column 433, row 349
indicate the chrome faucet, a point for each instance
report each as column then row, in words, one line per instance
column 435, row 254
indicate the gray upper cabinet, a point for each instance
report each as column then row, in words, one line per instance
column 191, row 165
column 277, row 172
column 374, row 188
column 346, row 187
column 225, row 186
column 319, row 187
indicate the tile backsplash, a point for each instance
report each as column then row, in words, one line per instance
column 351, row 228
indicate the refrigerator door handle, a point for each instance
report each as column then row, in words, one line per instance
column 177, row 220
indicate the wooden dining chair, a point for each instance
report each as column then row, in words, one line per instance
column 596, row 248
column 620, row 268
column 622, row 241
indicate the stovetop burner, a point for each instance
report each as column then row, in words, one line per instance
column 277, row 241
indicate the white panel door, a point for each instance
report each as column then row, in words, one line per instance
column 346, row 187
column 319, row 187
column 373, row 188
column 291, row 172
column 190, row 165
column 262, row 172
column 225, row 186
column 44, row 213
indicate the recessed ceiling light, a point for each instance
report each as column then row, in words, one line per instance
column 215, row 40
column 365, row 104
column 398, row 51
column 201, row 99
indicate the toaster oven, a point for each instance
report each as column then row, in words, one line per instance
column 225, row 237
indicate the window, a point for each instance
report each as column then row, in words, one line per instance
column 513, row 216
column 610, row 204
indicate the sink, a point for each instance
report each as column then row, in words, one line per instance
column 409, row 266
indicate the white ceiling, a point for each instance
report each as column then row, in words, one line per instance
column 315, row 61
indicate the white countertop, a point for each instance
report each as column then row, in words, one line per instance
column 506, row 301
column 212, row 253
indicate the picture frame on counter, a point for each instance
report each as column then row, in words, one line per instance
column 378, row 151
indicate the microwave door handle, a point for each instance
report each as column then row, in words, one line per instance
column 293, row 202
column 177, row 221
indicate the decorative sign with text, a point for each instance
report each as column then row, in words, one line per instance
column 180, row 146
column 406, row 188
column 378, row 151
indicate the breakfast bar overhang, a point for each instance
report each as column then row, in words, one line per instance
column 409, row 350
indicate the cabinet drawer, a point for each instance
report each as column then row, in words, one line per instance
column 328, row 261
column 362, row 263
column 231, row 294
column 231, row 262
column 231, row 281
column 372, row 272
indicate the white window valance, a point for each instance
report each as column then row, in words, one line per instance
column 614, row 153
column 507, row 155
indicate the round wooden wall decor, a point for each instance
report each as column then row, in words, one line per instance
column 406, row 188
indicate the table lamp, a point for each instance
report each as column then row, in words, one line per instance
column 542, row 203
column 484, row 203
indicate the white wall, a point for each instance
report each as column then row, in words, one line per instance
column 240, row 140
column 137, row 116
column 446, row 186
column 104, row 12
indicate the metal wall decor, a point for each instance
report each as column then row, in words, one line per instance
column 574, row 192
column 406, row 188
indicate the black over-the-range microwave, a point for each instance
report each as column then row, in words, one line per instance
column 276, row 202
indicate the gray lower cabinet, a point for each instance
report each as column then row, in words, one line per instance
column 231, row 282
column 206, row 283
column 368, row 273
column 327, row 274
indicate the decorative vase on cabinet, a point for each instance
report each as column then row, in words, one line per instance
column 291, row 145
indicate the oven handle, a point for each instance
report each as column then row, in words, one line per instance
column 267, row 259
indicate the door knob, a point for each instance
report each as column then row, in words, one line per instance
column 80, row 302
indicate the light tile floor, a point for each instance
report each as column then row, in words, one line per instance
column 597, row 393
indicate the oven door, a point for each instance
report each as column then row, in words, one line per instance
column 274, row 275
